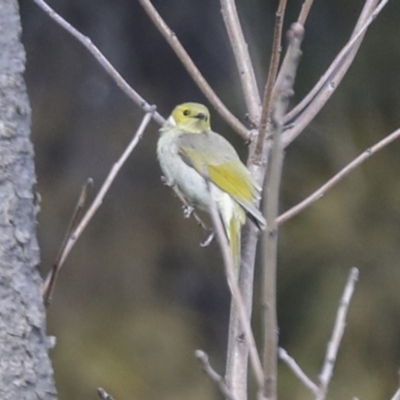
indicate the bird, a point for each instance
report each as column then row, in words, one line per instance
column 202, row 163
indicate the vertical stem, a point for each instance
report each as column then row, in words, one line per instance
column 272, row 73
column 238, row 349
column 270, row 246
column 284, row 89
column 243, row 60
column 245, row 323
column 237, row 354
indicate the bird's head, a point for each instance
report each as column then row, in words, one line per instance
column 191, row 117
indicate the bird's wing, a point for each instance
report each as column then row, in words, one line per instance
column 225, row 170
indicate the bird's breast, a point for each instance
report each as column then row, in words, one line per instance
column 189, row 181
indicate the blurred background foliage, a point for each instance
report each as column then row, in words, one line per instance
column 138, row 295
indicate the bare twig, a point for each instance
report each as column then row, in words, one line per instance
column 272, row 73
column 365, row 13
column 396, row 396
column 242, row 57
column 120, row 81
column 103, row 394
column 191, row 68
column 51, row 279
column 234, row 288
column 344, row 60
column 337, row 334
column 74, row 236
column 284, row 89
column 318, row 194
column 236, row 374
column 292, row 364
column 218, row 379
column 305, row 10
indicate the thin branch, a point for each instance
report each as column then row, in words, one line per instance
column 242, row 57
column 296, row 369
column 120, row 81
column 284, row 89
column 234, row 288
column 305, row 10
column 365, row 13
column 396, row 396
column 236, row 374
column 191, row 68
column 51, row 279
column 337, row 334
column 318, row 194
column 103, row 394
column 272, row 73
column 344, row 59
column 215, row 377
column 74, row 236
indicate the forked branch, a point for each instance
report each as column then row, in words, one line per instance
column 215, row 377
column 191, row 68
column 102, row 60
column 331, row 79
column 365, row 13
column 49, row 284
column 320, row 390
column 272, row 74
column 284, row 89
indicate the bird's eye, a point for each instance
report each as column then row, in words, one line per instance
column 186, row 112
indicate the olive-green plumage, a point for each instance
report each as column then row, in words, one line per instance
column 190, row 152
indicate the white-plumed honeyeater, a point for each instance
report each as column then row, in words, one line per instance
column 190, row 153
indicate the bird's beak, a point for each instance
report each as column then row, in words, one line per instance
column 201, row 116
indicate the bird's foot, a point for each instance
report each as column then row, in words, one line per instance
column 208, row 240
column 166, row 182
column 187, row 210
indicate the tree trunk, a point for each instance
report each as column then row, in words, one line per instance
column 25, row 368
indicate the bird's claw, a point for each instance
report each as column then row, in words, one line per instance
column 165, row 181
column 208, row 240
column 187, row 210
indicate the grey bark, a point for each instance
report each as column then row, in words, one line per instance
column 25, row 368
